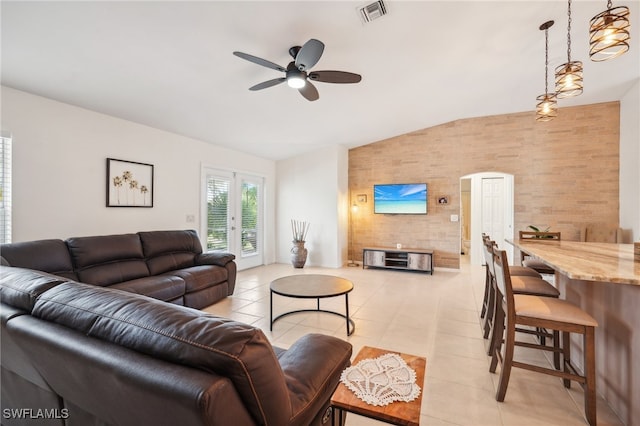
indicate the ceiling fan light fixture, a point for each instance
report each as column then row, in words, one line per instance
column 297, row 72
column 609, row 33
column 296, row 81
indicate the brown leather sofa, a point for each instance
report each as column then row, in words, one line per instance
column 166, row 265
column 78, row 354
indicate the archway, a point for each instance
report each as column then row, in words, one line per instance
column 490, row 210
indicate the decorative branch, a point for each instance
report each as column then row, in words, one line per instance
column 299, row 230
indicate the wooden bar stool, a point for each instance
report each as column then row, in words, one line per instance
column 536, row 264
column 521, row 285
column 542, row 313
column 515, row 271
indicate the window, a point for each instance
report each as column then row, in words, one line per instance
column 5, row 190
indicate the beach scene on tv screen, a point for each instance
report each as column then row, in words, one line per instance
column 401, row 198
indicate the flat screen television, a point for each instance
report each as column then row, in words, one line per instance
column 400, row 198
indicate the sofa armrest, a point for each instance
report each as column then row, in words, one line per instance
column 219, row 259
column 312, row 367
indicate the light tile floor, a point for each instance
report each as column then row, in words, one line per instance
column 435, row 316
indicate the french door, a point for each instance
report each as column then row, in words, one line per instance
column 233, row 215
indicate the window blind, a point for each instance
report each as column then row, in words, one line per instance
column 217, row 213
column 5, row 190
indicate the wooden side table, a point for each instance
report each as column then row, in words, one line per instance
column 396, row 413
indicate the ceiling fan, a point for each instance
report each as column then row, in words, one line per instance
column 297, row 74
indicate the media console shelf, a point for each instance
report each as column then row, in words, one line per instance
column 407, row 259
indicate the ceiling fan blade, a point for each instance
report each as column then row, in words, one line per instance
column 309, row 91
column 259, row 61
column 309, row 54
column 268, row 83
column 335, row 77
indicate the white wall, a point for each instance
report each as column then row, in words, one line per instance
column 630, row 162
column 313, row 187
column 59, row 171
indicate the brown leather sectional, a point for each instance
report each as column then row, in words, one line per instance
column 79, row 354
column 166, row 265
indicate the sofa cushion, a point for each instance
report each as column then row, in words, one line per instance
column 165, row 287
column 21, row 287
column 49, row 256
column 108, row 259
column 199, row 277
column 180, row 335
column 170, row 250
column 207, row 296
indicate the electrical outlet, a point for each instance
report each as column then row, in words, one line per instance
column 191, row 218
column 454, row 218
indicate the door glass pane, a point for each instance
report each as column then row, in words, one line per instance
column 217, row 214
column 249, row 218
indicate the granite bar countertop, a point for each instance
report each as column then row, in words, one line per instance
column 602, row 262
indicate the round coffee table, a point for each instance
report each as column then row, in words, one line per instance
column 312, row 286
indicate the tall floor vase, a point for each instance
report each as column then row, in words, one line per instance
column 298, row 254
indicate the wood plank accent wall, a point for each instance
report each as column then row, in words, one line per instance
column 566, row 174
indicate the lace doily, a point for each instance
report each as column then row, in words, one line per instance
column 381, row 381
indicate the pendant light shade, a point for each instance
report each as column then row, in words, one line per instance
column 569, row 74
column 547, row 105
column 569, row 79
column 609, row 33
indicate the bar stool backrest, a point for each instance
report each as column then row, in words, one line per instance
column 503, row 278
column 487, row 249
column 535, row 235
column 526, row 235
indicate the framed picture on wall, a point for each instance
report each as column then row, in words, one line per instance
column 129, row 184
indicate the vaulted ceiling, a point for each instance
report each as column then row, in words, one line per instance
column 170, row 65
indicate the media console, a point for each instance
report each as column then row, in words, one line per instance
column 407, row 259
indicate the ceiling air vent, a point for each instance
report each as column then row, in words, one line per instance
column 372, row 11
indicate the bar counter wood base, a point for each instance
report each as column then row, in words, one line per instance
column 396, row 413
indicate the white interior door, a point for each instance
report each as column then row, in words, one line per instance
column 493, row 209
column 232, row 215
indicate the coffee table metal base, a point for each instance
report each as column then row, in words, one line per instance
column 323, row 286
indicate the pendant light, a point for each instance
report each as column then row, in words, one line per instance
column 609, row 33
column 547, row 106
column 569, row 74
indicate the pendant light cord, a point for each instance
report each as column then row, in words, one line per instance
column 569, row 33
column 546, row 61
